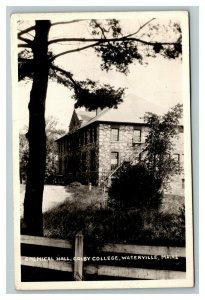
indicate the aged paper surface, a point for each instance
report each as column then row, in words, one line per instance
column 99, row 142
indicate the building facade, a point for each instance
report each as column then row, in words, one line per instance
column 96, row 145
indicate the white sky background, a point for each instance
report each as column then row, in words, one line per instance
column 159, row 82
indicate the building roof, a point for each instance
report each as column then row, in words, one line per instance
column 85, row 116
column 132, row 110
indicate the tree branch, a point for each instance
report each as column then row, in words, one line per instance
column 108, row 40
column 141, row 27
column 67, row 22
column 102, row 29
column 53, row 24
column 26, row 31
column 24, row 46
column 127, row 37
column 74, row 50
column 67, row 74
column 25, row 40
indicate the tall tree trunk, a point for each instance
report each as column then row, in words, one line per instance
column 33, row 220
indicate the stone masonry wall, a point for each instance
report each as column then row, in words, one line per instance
column 128, row 150
column 176, row 185
column 125, row 147
column 103, row 146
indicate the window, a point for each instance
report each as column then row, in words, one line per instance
column 76, row 141
column 81, row 138
column 183, row 183
column 91, row 135
column 176, row 157
column 114, row 160
column 60, row 165
column 95, row 134
column 71, row 142
column 137, row 136
column 167, row 156
column 84, row 162
column 115, row 134
column 66, row 164
column 92, row 161
column 86, row 137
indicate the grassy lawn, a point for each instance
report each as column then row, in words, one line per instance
column 103, row 225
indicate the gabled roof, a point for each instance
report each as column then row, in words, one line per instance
column 132, row 110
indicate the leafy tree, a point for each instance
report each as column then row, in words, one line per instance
column 52, row 134
column 116, row 50
column 142, row 185
column 160, row 143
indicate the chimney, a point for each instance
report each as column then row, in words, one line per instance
column 98, row 110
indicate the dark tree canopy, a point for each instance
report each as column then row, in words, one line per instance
column 116, row 49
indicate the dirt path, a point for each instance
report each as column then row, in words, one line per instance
column 53, row 196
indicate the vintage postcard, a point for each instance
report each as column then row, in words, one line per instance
column 102, row 150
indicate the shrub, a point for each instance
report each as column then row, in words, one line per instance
column 75, row 184
column 135, row 187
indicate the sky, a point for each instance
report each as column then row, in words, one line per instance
column 159, row 81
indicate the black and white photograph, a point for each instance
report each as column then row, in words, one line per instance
column 102, row 150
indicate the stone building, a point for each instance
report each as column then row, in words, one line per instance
column 99, row 142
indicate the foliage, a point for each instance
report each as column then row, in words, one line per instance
column 25, row 64
column 119, row 54
column 160, row 142
column 52, row 133
column 90, row 95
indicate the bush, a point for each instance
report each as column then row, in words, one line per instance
column 75, row 184
column 135, row 187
